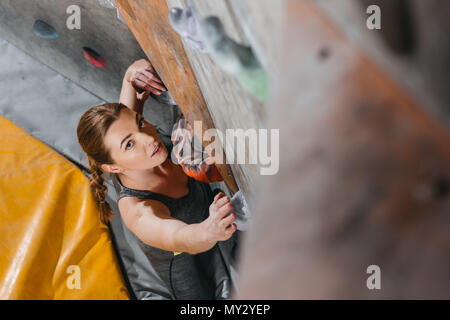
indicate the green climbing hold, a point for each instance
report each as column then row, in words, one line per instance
column 235, row 59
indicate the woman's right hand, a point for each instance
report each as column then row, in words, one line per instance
column 219, row 226
column 144, row 79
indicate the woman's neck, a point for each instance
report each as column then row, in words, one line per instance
column 149, row 179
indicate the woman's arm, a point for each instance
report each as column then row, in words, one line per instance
column 128, row 97
column 140, row 79
column 151, row 222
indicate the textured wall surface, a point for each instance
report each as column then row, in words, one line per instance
column 423, row 70
column 230, row 105
column 100, row 30
column 367, row 181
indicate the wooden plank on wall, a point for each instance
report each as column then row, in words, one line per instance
column 148, row 20
column 230, row 105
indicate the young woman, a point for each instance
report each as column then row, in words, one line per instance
column 177, row 219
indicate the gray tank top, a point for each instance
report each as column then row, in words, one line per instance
column 200, row 276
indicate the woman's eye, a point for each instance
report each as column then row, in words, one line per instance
column 141, row 123
column 129, row 145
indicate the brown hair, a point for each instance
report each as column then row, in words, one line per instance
column 91, row 131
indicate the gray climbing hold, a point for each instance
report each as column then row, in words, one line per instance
column 186, row 24
column 235, row 59
column 240, row 208
column 44, row 30
column 119, row 16
column 110, row 4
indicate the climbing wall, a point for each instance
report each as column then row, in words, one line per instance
column 100, row 30
column 412, row 46
column 202, row 89
column 47, row 85
column 252, row 23
column 368, row 180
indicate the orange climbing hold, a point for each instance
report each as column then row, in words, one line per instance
column 202, row 172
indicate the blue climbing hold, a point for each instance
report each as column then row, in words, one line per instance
column 44, row 30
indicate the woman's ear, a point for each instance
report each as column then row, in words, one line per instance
column 112, row 168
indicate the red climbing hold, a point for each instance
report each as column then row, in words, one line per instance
column 93, row 57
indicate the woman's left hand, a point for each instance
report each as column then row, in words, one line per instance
column 144, row 79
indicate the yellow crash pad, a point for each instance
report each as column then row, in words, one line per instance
column 52, row 243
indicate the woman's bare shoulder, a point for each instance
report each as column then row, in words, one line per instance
column 133, row 208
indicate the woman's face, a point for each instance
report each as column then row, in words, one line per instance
column 133, row 143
